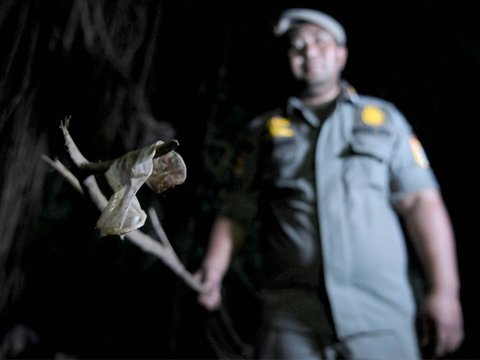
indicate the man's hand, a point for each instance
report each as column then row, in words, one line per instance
column 216, row 262
column 212, row 280
column 442, row 322
column 429, row 227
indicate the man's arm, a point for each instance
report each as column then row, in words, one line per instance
column 429, row 227
column 223, row 242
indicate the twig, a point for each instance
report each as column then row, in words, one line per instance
column 102, row 166
column 157, row 226
column 163, row 251
column 67, row 174
column 154, row 247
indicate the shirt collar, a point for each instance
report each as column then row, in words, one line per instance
column 296, row 106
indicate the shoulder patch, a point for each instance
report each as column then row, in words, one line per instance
column 351, row 90
column 373, row 116
column 280, row 127
column 418, row 152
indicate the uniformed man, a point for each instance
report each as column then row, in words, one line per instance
column 329, row 173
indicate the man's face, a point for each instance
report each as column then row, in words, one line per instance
column 315, row 57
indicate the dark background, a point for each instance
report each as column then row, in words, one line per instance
column 196, row 71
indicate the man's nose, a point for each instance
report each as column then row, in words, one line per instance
column 311, row 50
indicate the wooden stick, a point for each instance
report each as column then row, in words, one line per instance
column 164, row 250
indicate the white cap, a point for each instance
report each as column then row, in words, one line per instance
column 292, row 17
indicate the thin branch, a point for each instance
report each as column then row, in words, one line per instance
column 163, row 251
column 67, row 174
column 72, row 148
column 102, row 166
column 154, row 247
column 157, row 226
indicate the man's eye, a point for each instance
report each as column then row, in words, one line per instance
column 321, row 40
column 297, row 45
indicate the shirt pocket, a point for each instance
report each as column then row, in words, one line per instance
column 284, row 159
column 366, row 163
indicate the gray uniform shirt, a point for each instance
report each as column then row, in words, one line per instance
column 325, row 198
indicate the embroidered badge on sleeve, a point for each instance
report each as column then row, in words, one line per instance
column 418, row 152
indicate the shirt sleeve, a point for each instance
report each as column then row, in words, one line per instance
column 240, row 202
column 409, row 166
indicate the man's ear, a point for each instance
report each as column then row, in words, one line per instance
column 342, row 56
